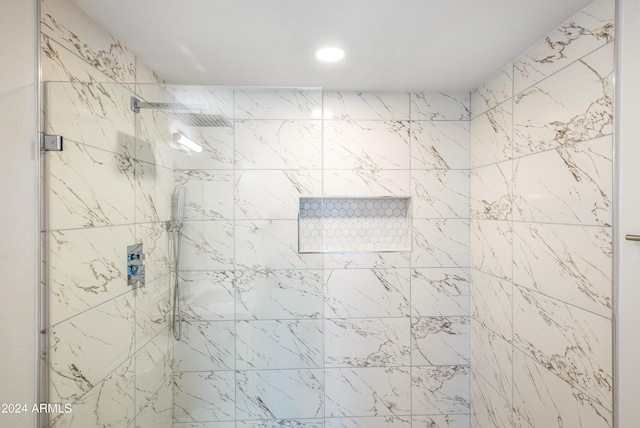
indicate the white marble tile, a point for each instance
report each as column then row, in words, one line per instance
column 348, row 105
column 491, row 303
column 369, row 422
column 154, row 136
column 86, row 268
column 282, row 423
column 367, row 392
column 440, row 105
column 217, row 149
column 208, row 194
column 270, row 244
column 76, row 31
column 109, row 403
column 205, row 346
column 204, row 396
column 493, row 91
column 488, row 408
column 207, row 245
column 367, row 261
column 367, row 342
column 440, row 145
column 440, row 389
column 231, row 424
column 211, row 99
column 154, row 185
column 92, row 113
column 155, row 240
column 439, row 341
column 147, row 75
column 153, row 371
column 569, row 263
column 279, row 344
column 278, row 144
column 280, row 103
column 89, row 187
column 279, row 394
column 89, row 346
column 541, row 399
column 366, row 144
column 61, row 65
column 491, row 247
column 439, row 292
column 351, row 293
column 491, row 134
column 441, row 421
column 366, row 182
column 273, row 194
column 491, row 191
column 207, row 295
column 153, row 309
column 159, row 410
column 491, row 358
column 573, row 105
column 572, row 343
column 440, row 194
column 440, row 243
column 285, row 294
column 589, row 29
column 576, row 186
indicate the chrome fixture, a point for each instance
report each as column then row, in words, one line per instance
column 185, row 113
column 52, row 143
column 135, row 266
column 174, row 226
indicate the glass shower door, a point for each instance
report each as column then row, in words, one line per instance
column 108, row 350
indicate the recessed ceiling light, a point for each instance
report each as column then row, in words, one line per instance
column 330, row 54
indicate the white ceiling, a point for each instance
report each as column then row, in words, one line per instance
column 391, row 44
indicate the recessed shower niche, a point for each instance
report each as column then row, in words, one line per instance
column 354, row 224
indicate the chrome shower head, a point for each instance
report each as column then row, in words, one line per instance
column 188, row 117
column 202, row 119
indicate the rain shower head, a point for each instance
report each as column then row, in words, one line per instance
column 202, row 119
column 188, row 118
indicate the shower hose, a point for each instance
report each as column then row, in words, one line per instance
column 176, row 314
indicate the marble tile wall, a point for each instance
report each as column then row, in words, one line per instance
column 541, row 237
column 111, row 346
column 275, row 338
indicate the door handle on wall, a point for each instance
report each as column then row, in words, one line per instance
column 632, row 237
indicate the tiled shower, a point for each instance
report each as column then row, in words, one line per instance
column 499, row 315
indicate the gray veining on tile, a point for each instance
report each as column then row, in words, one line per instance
column 440, row 106
column 589, row 29
column 440, row 341
column 347, row 105
column 573, row 105
column 279, row 394
column 440, row 389
column 367, row 342
column 367, row 391
column 439, row 292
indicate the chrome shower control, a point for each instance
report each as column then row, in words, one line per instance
column 135, row 266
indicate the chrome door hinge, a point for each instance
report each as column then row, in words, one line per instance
column 51, row 143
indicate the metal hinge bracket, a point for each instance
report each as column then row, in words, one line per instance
column 51, row 143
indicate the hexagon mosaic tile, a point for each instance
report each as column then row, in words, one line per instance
column 358, row 224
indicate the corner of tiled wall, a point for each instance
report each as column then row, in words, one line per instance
column 541, row 268
column 111, row 348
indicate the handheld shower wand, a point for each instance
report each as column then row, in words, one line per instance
column 175, row 225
